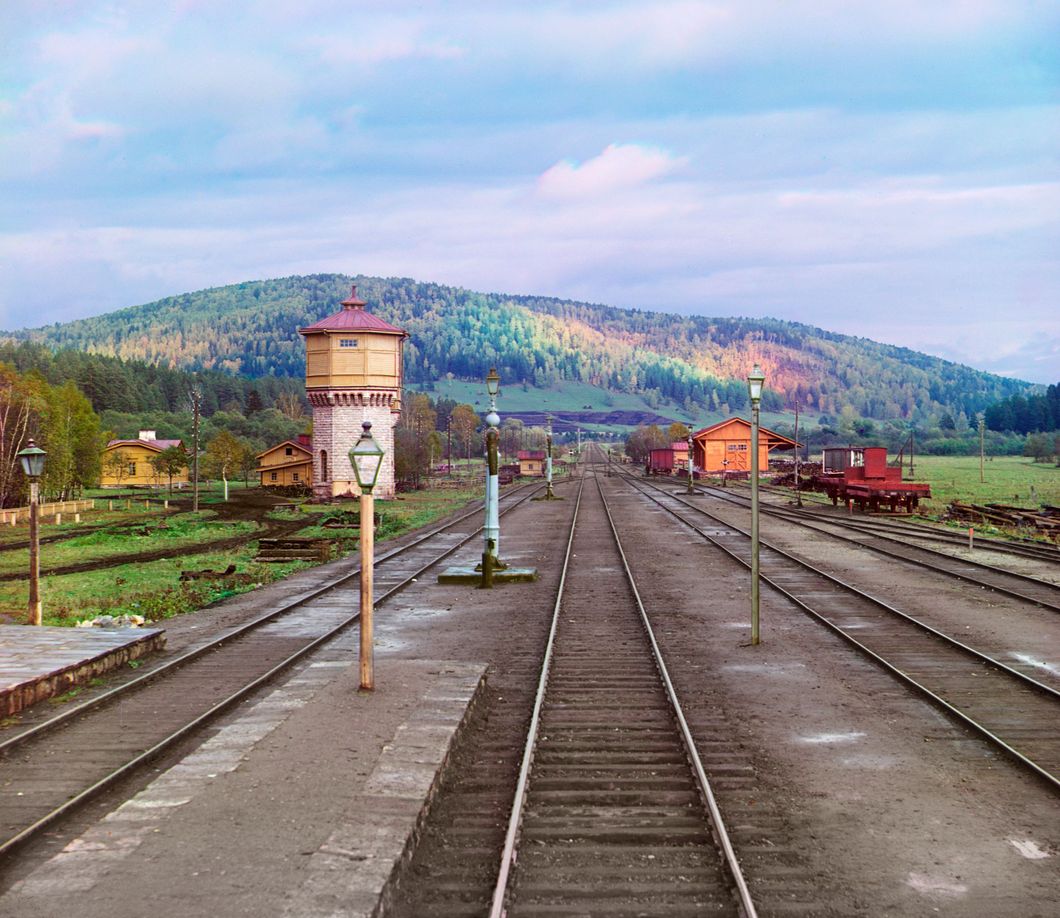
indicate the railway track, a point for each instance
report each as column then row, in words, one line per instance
column 1010, row 583
column 1013, row 711
column 899, row 527
column 613, row 814
column 58, row 764
column 616, row 824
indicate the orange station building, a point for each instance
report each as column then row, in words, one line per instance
column 726, row 447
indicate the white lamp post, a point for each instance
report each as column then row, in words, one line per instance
column 366, row 457
column 491, row 532
column 755, row 379
column 691, row 475
column 548, row 458
column 32, row 459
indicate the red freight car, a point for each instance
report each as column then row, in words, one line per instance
column 860, row 475
column 660, row 461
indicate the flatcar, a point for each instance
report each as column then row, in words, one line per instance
column 860, row 475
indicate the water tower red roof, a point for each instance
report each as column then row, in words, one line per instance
column 353, row 317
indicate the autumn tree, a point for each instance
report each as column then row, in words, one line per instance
column 70, row 432
column 16, row 404
column 170, row 462
column 643, row 440
column 115, row 465
column 224, row 454
column 677, row 432
column 464, row 423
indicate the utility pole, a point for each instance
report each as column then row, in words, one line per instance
column 196, row 408
column 798, row 488
column 982, row 436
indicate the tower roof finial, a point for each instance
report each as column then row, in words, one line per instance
column 354, row 302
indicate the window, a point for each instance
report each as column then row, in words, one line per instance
column 132, row 468
column 288, row 451
column 272, row 476
column 737, row 447
column 347, row 342
column 294, row 476
column 323, row 465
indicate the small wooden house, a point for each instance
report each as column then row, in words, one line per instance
column 726, row 447
column 288, row 464
column 127, row 463
column 532, row 462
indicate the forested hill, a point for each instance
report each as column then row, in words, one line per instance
column 251, row 329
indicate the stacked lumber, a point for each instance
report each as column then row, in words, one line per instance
column 293, row 549
column 1045, row 520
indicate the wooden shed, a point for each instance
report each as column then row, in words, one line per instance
column 726, row 447
column 532, row 462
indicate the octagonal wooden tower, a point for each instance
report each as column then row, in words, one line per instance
column 353, row 373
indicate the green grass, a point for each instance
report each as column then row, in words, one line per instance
column 1008, row 480
column 184, row 529
column 151, row 589
column 154, row 590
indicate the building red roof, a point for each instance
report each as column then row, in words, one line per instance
column 353, row 317
column 527, row 454
column 150, row 444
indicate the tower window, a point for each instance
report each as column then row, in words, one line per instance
column 324, row 465
column 347, row 342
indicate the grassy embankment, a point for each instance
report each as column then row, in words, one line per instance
column 153, row 589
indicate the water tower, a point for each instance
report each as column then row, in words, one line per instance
column 353, row 373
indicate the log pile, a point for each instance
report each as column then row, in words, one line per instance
column 1045, row 521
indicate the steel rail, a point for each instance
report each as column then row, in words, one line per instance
column 1026, row 548
column 228, row 636
column 1052, row 780
column 814, row 525
column 511, row 836
column 122, row 771
column 706, row 792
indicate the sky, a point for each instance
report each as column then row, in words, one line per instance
column 881, row 169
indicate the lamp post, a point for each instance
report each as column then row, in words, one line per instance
column 798, row 481
column 754, row 388
column 548, row 458
column 366, row 457
column 691, row 446
column 32, row 459
column 491, row 533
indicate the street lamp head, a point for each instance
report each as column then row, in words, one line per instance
column 32, row 459
column 754, row 384
column 366, row 457
column 493, row 382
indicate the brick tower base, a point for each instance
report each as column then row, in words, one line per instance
column 337, row 419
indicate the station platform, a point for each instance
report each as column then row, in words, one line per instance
column 37, row 663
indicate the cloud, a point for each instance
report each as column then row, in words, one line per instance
column 618, row 167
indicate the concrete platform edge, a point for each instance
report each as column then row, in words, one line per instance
column 355, row 872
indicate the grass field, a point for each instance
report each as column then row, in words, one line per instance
column 1008, row 480
column 181, row 530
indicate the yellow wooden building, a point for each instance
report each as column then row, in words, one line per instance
column 288, row 464
column 726, row 447
column 127, row 463
column 532, row 462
